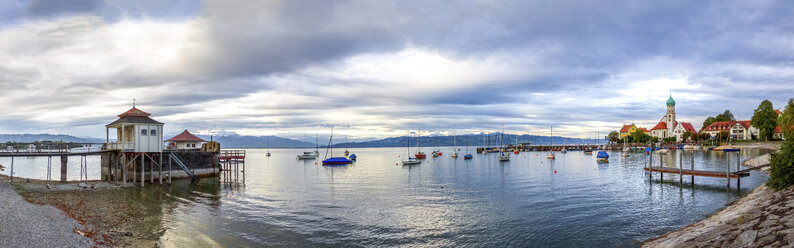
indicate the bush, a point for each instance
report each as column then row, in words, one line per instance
column 781, row 170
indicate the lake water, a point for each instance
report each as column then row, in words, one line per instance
column 572, row 201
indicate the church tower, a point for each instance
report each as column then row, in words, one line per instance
column 669, row 118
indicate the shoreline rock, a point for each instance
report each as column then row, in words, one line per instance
column 764, row 217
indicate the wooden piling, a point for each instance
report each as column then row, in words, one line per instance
column 124, row 169
column 692, row 158
column 681, row 168
column 728, row 169
column 160, row 169
column 661, row 165
column 169, row 169
column 12, row 169
column 151, row 169
column 64, row 162
column 143, row 176
column 738, row 168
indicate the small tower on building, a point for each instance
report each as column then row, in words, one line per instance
column 185, row 141
column 670, row 116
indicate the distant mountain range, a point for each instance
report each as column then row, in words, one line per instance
column 27, row 138
column 240, row 141
column 474, row 140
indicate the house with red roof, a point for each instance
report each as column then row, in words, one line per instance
column 681, row 128
column 736, row 129
column 779, row 113
column 668, row 126
column 185, row 141
column 135, row 132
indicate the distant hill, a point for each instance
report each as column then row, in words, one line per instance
column 26, row 138
column 239, row 141
column 473, row 140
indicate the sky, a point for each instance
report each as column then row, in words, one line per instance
column 376, row 69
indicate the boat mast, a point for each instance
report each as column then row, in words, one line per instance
column 454, row 142
column 418, row 141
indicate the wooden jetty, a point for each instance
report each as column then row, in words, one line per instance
column 701, row 173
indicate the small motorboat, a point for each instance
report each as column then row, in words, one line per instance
column 516, row 151
column 727, row 148
column 420, row 155
column 434, row 154
column 504, row 157
column 550, row 155
column 411, row 161
column 353, row 157
column 602, row 156
column 337, row 161
column 307, row 155
column 467, row 156
column 663, row 151
column 454, row 154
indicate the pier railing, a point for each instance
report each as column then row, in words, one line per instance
column 119, row 146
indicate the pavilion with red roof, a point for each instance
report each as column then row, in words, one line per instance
column 185, row 140
column 136, row 132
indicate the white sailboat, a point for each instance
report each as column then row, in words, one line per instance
column 504, row 156
column 408, row 159
column 268, row 146
column 454, row 143
column 551, row 150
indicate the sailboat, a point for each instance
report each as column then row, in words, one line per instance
column 516, row 151
column 564, row 149
column 268, row 147
column 409, row 160
column 347, row 153
column 468, row 155
column 551, row 151
column 419, row 153
column 306, row 155
column 334, row 160
column 625, row 147
column 454, row 143
column 504, row 156
column 316, row 145
column 587, row 150
column 485, row 145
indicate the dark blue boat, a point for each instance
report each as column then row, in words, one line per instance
column 337, row 161
column 467, row 156
column 352, row 157
column 602, row 156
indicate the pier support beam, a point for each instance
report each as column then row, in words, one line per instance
column 64, row 163
column 143, row 176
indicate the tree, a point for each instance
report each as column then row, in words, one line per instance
column 781, row 170
column 725, row 116
column 613, row 136
column 686, row 136
column 655, row 139
column 786, row 121
column 765, row 119
column 639, row 137
column 669, row 140
column 722, row 135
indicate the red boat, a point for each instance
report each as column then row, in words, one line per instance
column 421, row 155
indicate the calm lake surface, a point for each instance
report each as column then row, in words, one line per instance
column 529, row 201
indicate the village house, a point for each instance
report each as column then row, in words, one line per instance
column 741, row 130
column 185, row 141
column 136, row 132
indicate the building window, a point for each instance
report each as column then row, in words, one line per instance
column 143, row 132
column 153, row 132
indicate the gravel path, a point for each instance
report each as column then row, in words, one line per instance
column 23, row 224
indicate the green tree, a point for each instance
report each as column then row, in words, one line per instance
column 655, row 139
column 786, row 120
column 613, row 136
column 781, row 170
column 765, row 119
column 725, row 116
column 639, row 137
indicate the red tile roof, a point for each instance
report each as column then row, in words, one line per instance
column 625, row 128
column 661, row 125
column 186, row 136
column 777, row 129
column 643, row 129
column 688, row 127
column 778, row 112
column 745, row 124
column 134, row 112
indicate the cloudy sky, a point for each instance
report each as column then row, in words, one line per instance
column 378, row 68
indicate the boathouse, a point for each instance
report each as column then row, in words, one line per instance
column 135, row 132
column 185, row 141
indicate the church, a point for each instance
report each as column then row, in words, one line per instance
column 669, row 127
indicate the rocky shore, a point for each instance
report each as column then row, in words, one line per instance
column 763, row 218
column 23, row 224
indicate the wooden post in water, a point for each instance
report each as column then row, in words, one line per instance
column 151, row 169
column 728, row 168
column 64, row 160
column 661, row 164
column 692, row 158
column 134, row 170
column 739, row 177
column 160, row 169
column 12, row 169
column 169, row 169
column 143, row 162
column 681, row 168
column 124, row 168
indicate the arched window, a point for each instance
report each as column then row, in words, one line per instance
column 143, row 132
column 153, row 132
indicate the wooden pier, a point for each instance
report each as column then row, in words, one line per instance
column 701, row 173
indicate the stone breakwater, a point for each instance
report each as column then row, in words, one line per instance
column 764, row 217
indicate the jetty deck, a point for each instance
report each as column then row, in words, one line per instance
column 702, row 173
column 49, row 154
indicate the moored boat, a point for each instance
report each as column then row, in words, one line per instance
column 335, row 160
column 602, row 156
